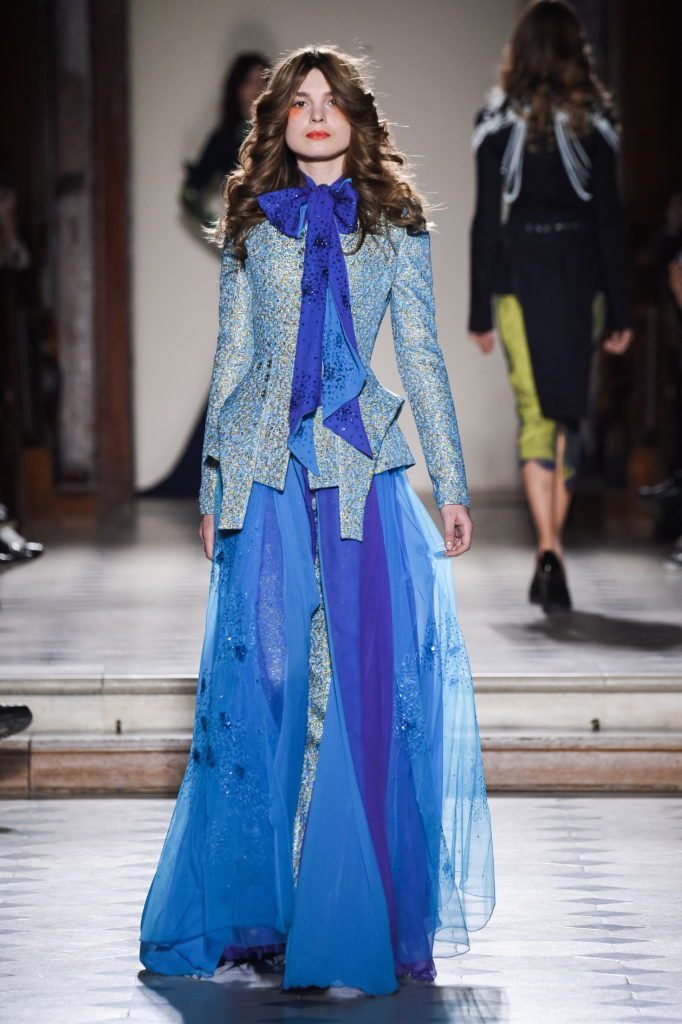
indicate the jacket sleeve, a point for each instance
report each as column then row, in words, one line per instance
column 422, row 369
column 485, row 234
column 611, row 244
column 232, row 359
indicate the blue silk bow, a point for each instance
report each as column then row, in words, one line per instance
column 328, row 370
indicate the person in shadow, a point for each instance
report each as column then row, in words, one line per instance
column 546, row 146
column 15, row 260
column 244, row 82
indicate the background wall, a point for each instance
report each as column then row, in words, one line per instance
column 434, row 62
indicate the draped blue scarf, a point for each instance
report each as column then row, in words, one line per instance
column 328, row 370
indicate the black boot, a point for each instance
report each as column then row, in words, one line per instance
column 548, row 586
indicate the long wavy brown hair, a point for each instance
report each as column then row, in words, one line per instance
column 377, row 169
column 549, row 64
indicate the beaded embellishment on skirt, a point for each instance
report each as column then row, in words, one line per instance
column 334, row 802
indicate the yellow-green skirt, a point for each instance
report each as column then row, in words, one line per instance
column 537, row 438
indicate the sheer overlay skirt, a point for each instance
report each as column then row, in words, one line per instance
column 334, row 802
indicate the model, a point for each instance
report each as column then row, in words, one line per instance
column 546, row 145
column 333, row 812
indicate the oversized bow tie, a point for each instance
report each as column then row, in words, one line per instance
column 328, row 370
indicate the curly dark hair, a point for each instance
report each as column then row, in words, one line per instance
column 547, row 64
column 266, row 163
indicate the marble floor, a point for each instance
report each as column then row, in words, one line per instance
column 586, row 929
column 137, row 606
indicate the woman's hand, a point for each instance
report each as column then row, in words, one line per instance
column 458, row 528
column 484, row 341
column 617, row 342
column 207, row 534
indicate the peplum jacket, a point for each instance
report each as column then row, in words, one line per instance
column 247, row 424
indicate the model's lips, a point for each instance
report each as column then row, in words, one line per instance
column 317, row 135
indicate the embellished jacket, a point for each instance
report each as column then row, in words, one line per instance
column 247, row 424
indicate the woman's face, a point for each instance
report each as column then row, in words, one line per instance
column 250, row 89
column 316, row 128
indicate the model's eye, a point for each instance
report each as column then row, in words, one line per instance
column 299, row 103
column 333, row 103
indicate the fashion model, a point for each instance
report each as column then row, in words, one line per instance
column 333, row 814
column 546, row 147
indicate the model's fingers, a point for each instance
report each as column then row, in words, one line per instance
column 487, row 341
column 449, row 524
column 612, row 345
column 207, row 534
column 484, row 341
column 208, row 548
column 463, row 532
column 458, row 529
column 618, row 342
column 626, row 339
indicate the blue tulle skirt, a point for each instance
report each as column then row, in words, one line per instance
column 334, row 803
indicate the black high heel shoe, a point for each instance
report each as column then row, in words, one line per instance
column 548, row 587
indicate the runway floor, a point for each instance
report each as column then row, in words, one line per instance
column 137, row 606
column 586, row 930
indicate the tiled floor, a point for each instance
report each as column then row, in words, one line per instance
column 586, row 930
column 138, row 607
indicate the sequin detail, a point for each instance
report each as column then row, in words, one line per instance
column 319, row 681
column 285, row 785
column 248, row 416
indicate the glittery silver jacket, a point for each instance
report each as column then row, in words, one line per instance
column 247, row 425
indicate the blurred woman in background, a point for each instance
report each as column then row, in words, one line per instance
column 244, row 83
column 546, row 146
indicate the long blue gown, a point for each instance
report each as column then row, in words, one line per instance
column 334, row 803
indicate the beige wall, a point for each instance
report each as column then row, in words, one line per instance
column 435, row 61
